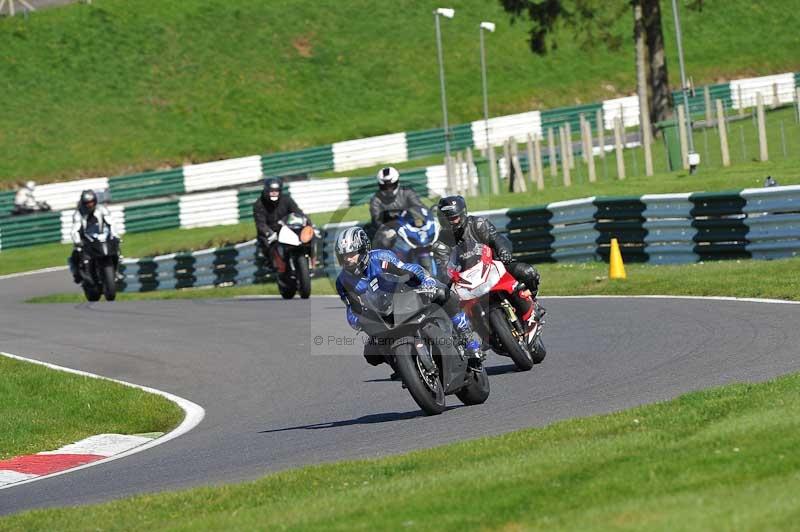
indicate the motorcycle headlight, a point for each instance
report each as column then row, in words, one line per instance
column 306, row 234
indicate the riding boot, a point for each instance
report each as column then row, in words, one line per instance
column 464, row 336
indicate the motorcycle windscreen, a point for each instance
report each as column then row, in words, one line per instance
column 288, row 237
column 478, row 281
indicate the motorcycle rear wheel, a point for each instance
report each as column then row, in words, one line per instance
column 431, row 401
column 512, row 346
column 303, row 277
column 477, row 391
column 109, row 282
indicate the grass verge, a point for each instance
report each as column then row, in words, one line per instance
column 43, row 409
column 148, row 83
column 776, row 279
column 713, row 460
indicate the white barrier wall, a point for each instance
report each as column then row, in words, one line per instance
column 66, row 195
column 503, row 127
column 320, row 195
column 209, row 209
column 221, row 174
column 627, row 108
column 370, row 151
column 765, row 85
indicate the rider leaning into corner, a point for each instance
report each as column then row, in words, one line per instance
column 362, row 266
column 87, row 213
column 469, row 234
column 269, row 209
column 387, row 204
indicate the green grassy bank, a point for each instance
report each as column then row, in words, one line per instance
column 119, row 86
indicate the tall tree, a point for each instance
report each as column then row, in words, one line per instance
column 593, row 21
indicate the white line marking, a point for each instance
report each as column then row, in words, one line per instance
column 12, row 477
column 101, row 445
column 275, row 296
column 194, row 415
column 34, row 272
column 712, row 298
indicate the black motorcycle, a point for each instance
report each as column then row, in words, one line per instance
column 98, row 263
column 293, row 257
column 416, row 337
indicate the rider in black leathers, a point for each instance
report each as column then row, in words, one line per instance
column 387, row 204
column 469, row 233
column 268, row 210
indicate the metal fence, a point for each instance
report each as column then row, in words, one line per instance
column 758, row 223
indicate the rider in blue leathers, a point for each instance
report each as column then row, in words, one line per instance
column 362, row 266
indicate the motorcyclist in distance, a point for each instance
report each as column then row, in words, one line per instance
column 469, row 234
column 87, row 212
column 268, row 210
column 361, row 265
column 387, row 204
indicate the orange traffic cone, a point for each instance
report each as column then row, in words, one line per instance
column 616, row 268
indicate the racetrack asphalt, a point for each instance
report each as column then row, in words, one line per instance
column 273, row 401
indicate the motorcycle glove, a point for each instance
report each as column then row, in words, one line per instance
column 429, row 282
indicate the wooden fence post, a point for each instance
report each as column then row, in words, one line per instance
column 531, row 159
column 763, row 154
column 570, row 153
column 587, row 148
column 618, row 147
column 507, row 159
column 601, row 127
column 551, row 152
column 776, row 100
column 537, row 150
column 722, row 126
column 564, row 156
column 519, row 177
column 473, row 177
column 493, row 170
column 683, row 139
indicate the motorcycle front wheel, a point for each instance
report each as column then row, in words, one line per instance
column 477, row 390
column 91, row 291
column 514, row 347
column 109, row 282
column 425, row 389
column 303, row 277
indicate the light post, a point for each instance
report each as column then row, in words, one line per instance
column 694, row 158
column 447, row 13
column 488, row 26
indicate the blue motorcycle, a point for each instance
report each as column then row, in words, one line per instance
column 417, row 231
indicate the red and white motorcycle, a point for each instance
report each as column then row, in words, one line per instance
column 485, row 289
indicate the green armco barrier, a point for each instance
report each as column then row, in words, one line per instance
column 697, row 103
column 30, row 229
column 363, row 188
column 146, row 185
column 717, row 203
column 6, row 202
column 152, row 217
column 246, row 198
column 298, row 162
column 431, row 141
column 556, row 117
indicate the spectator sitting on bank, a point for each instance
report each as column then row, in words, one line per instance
column 769, row 182
column 25, row 202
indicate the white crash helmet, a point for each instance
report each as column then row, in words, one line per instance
column 388, row 178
